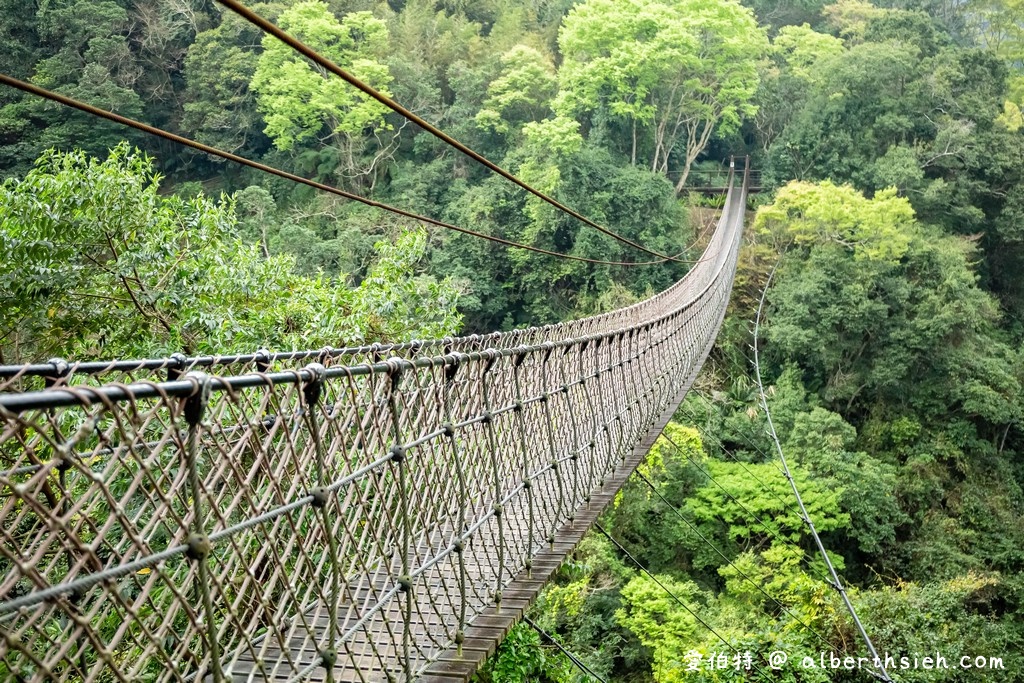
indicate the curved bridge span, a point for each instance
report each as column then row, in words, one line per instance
column 363, row 519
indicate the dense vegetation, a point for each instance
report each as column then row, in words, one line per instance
column 892, row 144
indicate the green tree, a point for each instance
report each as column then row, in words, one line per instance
column 786, row 78
column 874, row 229
column 97, row 263
column 86, row 54
column 959, row 613
column 521, row 94
column 999, row 26
column 675, row 71
column 220, row 108
column 825, row 444
column 898, row 303
column 301, row 103
column 660, row 623
column 801, row 48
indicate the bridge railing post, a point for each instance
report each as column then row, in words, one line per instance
column 527, row 482
column 574, row 446
column 591, row 445
column 545, row 400
column 602, row 429
column 450, row 372
column 623, row 415
column 199, row 546
column 490, row 356
column 399, row 464
column 323, row 499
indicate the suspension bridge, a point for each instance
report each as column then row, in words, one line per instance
column 376, row 514
column 380, row 513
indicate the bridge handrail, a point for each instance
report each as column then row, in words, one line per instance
column 59, row 372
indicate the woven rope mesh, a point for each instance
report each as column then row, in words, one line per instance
column 342, row 520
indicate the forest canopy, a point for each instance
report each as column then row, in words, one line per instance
column 890, row 143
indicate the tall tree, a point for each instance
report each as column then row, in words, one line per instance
column 220, row 107
column 676, row 71
column 521, row 94
column 95, row 262
column 786, row 78
column 301, row 102
column 88, row 56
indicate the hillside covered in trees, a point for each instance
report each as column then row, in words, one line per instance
column 890, row 138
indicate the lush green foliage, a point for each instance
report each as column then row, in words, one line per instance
column 96, row 263
column 678, row 71
column 299, row 101
column 892, row 142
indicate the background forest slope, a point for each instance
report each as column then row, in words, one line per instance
column 891, row 140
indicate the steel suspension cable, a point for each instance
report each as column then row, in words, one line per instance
column 675, row 598
column 311, row 54
column 838, row 584
column 572, row 658
column 181, row 140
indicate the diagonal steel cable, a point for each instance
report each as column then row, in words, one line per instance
column 577, row 662
column 836, row 581
column 311, row 54
column 181, row 140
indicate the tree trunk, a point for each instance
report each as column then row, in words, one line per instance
column 633, row 157
column 686, row 172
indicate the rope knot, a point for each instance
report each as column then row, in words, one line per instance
column 196, row 402
column 319, row 496
column 314, row 387
column 396, row 366
column 326, row 353
column 199, row 547
column 262, row 360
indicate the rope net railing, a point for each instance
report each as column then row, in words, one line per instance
column 341, row 522
column 59, row 372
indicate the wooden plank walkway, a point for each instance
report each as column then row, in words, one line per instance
column 373, row 614
column 491, row 627
column 374, row 651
